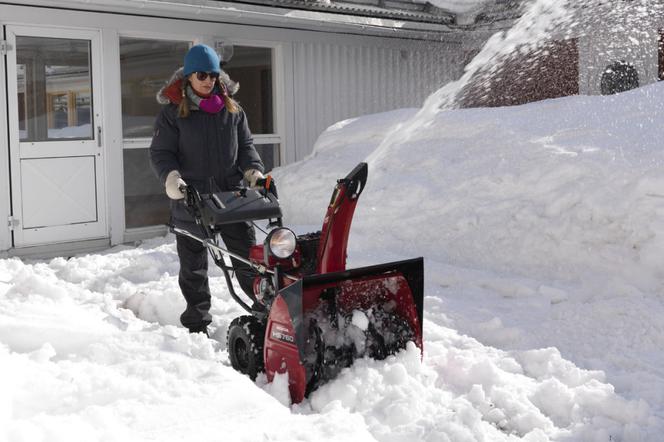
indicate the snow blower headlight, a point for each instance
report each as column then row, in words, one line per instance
column 281, row 243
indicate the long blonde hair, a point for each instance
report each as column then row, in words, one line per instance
column 183, row 107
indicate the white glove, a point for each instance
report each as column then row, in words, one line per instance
column 173, row 183
column 253, row 175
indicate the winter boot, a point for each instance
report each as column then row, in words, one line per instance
column 200, row 329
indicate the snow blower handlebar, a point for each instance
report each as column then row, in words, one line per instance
column 196, row 206
column 209, row 211
column 210, row 244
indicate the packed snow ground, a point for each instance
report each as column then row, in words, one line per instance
column 541, row 228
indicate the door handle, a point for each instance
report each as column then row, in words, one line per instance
column 98, row 136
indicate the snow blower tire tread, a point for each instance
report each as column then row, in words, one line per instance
column 244, row 341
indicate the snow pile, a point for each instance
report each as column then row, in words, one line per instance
column 576, row 191
column 541, row 225
column 562, row 189
column 342, row 145
column 466, row 392
column 76, row 365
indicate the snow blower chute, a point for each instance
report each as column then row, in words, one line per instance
column 309, row 315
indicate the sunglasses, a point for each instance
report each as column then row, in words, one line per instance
column 202, row 76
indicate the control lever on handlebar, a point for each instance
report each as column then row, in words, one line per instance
column 191, row 195
column 267, row 185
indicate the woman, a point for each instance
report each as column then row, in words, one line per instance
column 201, row 136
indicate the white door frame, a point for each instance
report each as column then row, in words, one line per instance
column 90, row 148
column 5, row 202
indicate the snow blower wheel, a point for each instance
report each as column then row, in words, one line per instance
column 245, row 345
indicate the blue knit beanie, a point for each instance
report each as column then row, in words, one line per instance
column 201, row 58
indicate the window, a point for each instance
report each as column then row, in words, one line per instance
column 145, row 66
column 252, row 68
column 54, row 89
column 146, row 204
column 269, row 153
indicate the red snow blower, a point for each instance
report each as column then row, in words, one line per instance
column 309, row 316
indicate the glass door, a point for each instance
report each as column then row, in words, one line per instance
column 55, row 133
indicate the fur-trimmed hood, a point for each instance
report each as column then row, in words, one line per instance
column 172, row 91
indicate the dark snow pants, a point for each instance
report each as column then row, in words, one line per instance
column 193, row 279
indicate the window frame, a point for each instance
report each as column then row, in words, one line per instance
column 136, row 233
column 278, row 102
column 144, row 142
column 278, row 109
column 65, row 34
column 277, row 86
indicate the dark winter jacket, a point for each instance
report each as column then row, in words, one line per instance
column 206, row 148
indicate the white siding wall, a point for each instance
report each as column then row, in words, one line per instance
column 333, row 82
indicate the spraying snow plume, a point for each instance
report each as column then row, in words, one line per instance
column 537, row 24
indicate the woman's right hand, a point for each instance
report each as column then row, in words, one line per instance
column 251, row 176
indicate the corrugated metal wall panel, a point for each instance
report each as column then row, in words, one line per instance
column 335, row 82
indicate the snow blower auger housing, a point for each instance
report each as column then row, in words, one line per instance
column 310, row 316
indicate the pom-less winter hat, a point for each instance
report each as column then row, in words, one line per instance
column 201, row 58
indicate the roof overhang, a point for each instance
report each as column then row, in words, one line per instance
column 401, row 10
column 253, row 14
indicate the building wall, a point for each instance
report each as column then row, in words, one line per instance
column 333, row 82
